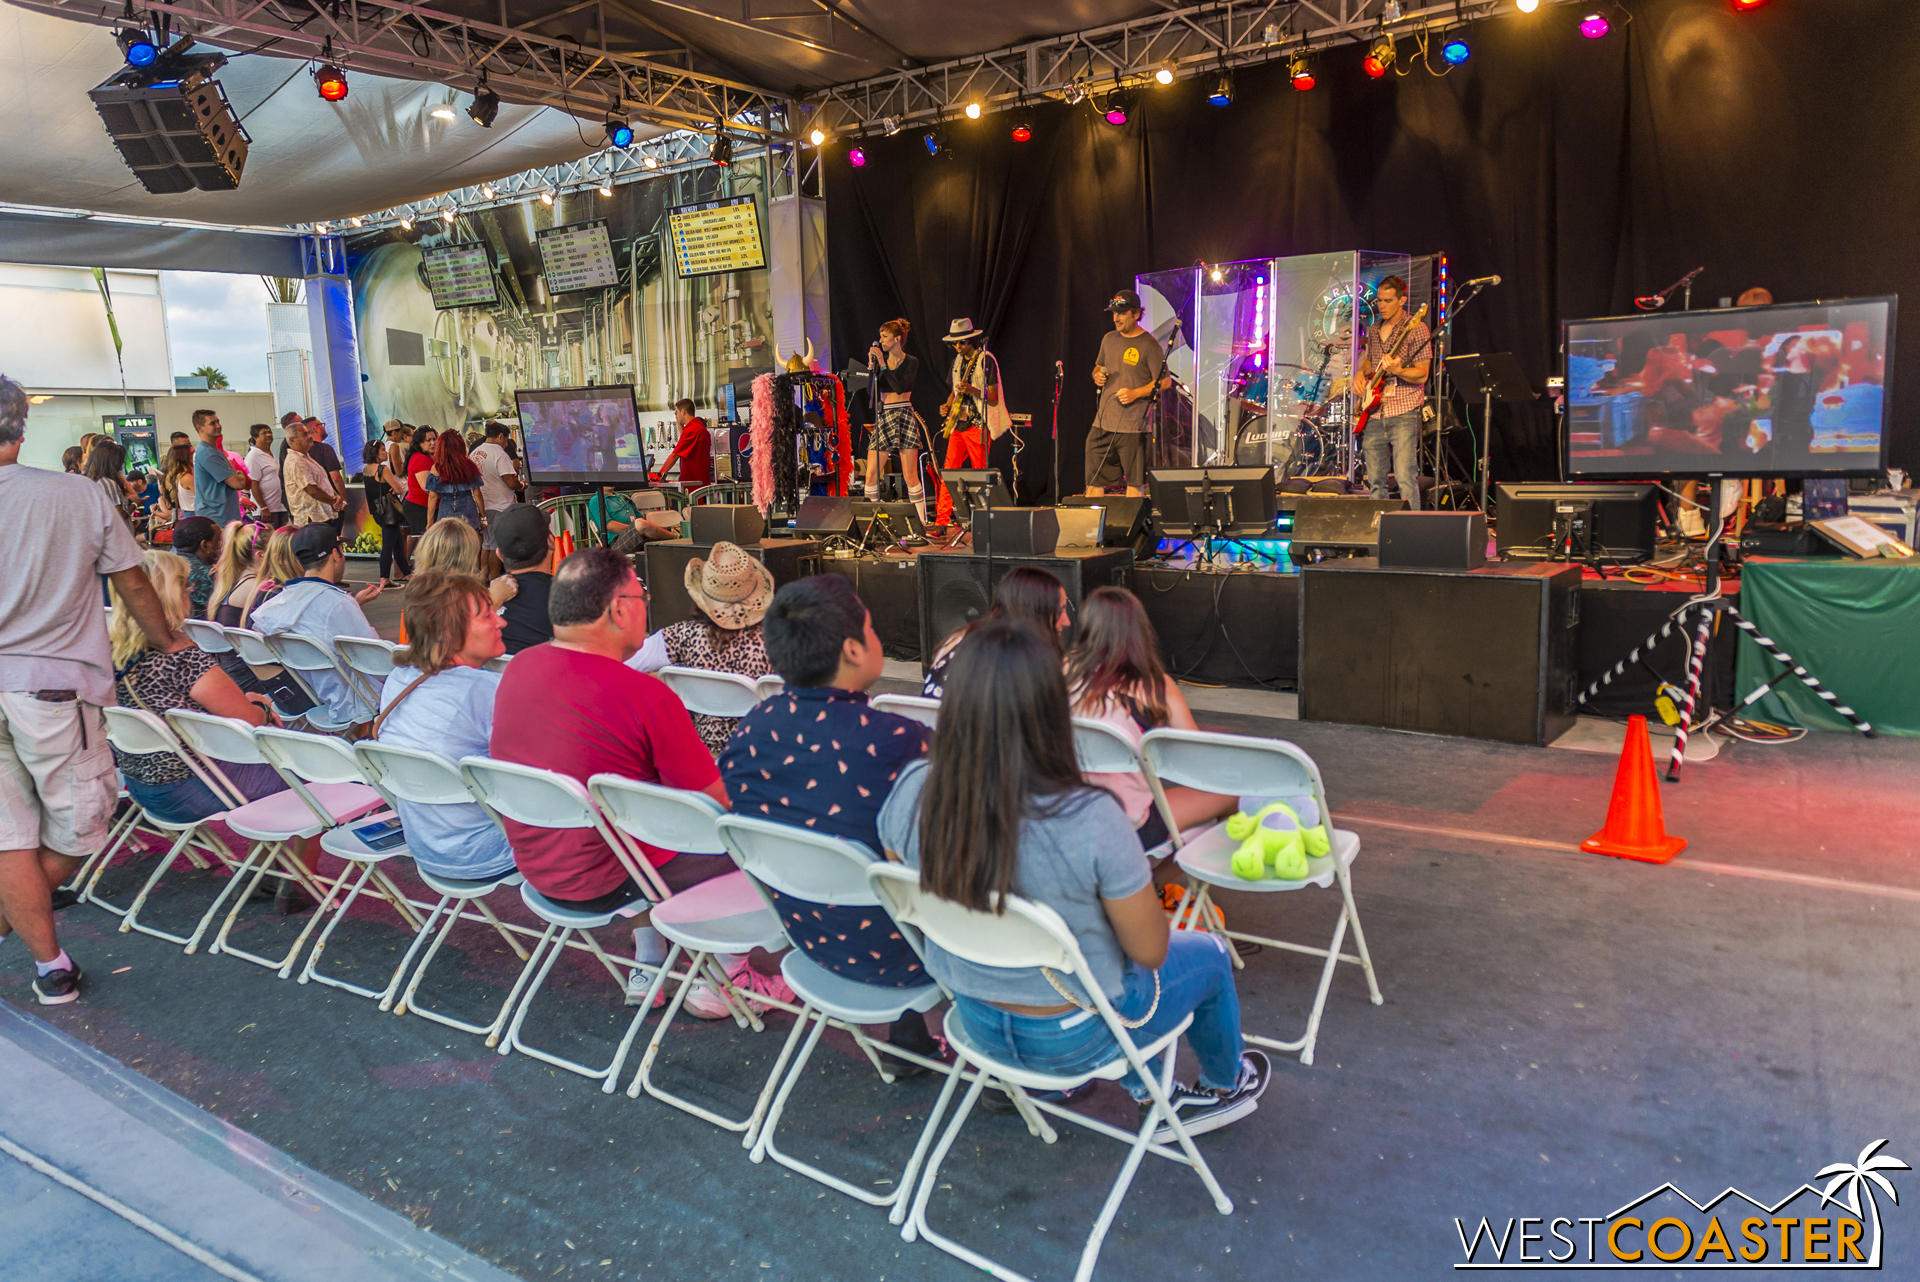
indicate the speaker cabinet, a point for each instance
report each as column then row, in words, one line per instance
column 824, row 514
column 739, row 523
column 1489, row 654
column 1433, row 540
column 174, row 126
column 1129, row 520
column 1339, row 523
column 1019, row 531
column 667, row 561
column 955, row 590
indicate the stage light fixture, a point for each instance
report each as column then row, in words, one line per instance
column 1023, row 132
column 354, row 221
column 546, row 197
column 890, row 125
column 651, row 162
column 1076, row 94
column 721, row 152
column 1739, row 6
column 446, row 215
column 485, row 105
column 857, row 158
column 1115, row 109
column 1379, row 58
column 442, row 112
column 1164, row 75
column 331, row 82
column 137, row 48
column 606, row 188
column 1300, row 70
column 619, row 130
column 1526, row 6
column 817, row 137
column 1216, row 276
column 1391, row 11
column 1595, row 26
column 973, row 111
column 321, row 228
column 931, row 141
column 1222, row 95
column 406, row 224
column 1456, row 51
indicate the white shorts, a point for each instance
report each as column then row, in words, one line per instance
column 58, row 787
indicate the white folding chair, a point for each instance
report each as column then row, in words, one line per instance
column 370, row 657
column 254, row 651
column 829, row 870
column 135, row 730
column 768, row 686
column 547, row 799
column 1247, row 766
column 273, row 824
column 722, row 915
column 911, row 706
column 712, row 694
column 325, row 759
column 307, row 657
column 427, row 779
column 498, row 663
column 209, row 636
column 1027, row 934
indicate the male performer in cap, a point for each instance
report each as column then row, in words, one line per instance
column 1130, row 370
column 976, row 385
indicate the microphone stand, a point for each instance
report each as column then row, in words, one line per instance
column 1654, row 302
column 1468, row 292
column 1059, row 382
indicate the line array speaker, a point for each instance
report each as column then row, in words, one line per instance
column 173, row 125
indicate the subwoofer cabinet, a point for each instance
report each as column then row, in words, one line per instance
column 667, row 562
column 1483, row 654
column 955, row 589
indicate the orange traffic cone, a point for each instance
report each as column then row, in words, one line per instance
column 1634, row 828
column 566, row 544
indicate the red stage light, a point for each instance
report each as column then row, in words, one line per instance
column 1375, row 67
column 1741, row 6
column 1300, row 70
column 1304, row 81
column 1021, row 133
column 331, row 82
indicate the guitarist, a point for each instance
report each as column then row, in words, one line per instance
column 1400, row 348
column 976, row 386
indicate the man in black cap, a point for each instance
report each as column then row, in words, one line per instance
column 526, row 546
column 316, row 607
column 1130, row 370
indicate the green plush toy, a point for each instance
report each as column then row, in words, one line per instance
column 1274, row 843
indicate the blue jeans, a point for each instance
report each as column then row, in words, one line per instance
column 1402, row 434
column 188, row 799
column 1197, row 980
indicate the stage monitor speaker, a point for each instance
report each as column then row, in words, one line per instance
column 667, row 561
column 1339, row 522
column 1129, row 519
column 1433, row 540
column 173, row 125
column 954, row 589
column 824, row 514
column 739, row 523
column 1020, row 531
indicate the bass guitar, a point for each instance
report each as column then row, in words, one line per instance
column 1376, row 390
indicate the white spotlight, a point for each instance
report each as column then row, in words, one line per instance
column 447, row 213
column 546, row 197
column 652, row 162
column 973, row 111
column 817, row 137
column 443, row 113
column 354, row 221
column 406, row 224
column 487, row 190
column 1164, row 75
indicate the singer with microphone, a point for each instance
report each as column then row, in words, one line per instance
column 1131, row 369
column 1405, row 356
column 896, row 426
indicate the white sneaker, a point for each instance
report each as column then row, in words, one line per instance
column 705, row 1002
column 637, row 982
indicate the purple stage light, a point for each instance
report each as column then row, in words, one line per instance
column 1595, row 26
column 857, row 158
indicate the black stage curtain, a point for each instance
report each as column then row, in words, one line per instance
column 1770, row 146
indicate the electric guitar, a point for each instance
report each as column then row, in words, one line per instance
column 1375, row 393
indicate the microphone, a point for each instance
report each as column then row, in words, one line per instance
column 1059, row 369
column 1481, row 280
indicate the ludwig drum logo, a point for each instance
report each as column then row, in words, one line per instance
column 1835, row 1227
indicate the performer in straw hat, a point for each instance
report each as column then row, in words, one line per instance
column 730, row 591
column 976, row 385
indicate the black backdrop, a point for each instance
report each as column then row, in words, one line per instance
column 1774, row 147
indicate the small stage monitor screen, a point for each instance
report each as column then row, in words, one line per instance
column 577, row 256
column 459, row 275
column 1213, row 502
column 716, row 236
column 582, row 434
column 1788, row 390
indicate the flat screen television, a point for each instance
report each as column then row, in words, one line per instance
column 1793, row 389
column 582, row 434
column 1213, row 502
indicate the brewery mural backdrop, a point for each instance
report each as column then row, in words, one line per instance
column 669, row 337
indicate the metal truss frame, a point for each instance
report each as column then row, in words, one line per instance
column 1188, row 40
column 415, row 41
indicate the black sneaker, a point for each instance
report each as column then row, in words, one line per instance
column 65, row 898
column 58, row 987
column 1201, row 1110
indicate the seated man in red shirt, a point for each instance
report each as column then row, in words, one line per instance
column 694, row 449
column 574, row 707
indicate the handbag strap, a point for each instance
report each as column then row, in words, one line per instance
column 387, row 711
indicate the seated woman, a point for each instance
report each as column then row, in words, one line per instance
column 453, row 547
column 1115, row 677
column 238, row 574
column 730, row 592
column 999, row 807
column 1028, row 593
column 442, row 702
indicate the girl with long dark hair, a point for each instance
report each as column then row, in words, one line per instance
column 1027, row 593
column 384, row 492
column 419, row 461
column 999, row 807
column 1115, row 677
column 896, row 426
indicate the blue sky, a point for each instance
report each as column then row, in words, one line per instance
column 219, row 319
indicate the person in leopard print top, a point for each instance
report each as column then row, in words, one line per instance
column 730, row 590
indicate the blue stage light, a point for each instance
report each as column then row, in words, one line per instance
column 138, row 49
column 1455, row 51
column 619, row 133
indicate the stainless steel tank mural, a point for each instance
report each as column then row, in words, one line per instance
column 460, row 366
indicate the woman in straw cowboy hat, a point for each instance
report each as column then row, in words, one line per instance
column 730, row 590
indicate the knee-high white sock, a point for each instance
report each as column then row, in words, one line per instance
column 649, row 945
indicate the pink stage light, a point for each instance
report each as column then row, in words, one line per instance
column 1595, row 26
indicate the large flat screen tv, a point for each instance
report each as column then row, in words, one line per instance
column 1794, row 389
column 582, row 434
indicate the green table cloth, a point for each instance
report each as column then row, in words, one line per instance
column 1854, row 624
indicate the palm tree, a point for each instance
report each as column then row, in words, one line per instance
column 1855, row 1177
column 216, row 381
column 282, row 289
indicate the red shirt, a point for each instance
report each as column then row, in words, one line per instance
column 582, row 714
column 695, row 452
column 417, row 466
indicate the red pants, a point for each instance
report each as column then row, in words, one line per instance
column 967, row 447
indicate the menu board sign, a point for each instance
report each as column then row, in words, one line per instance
column 459, row 275
column 577, row 256
column 717, row 236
